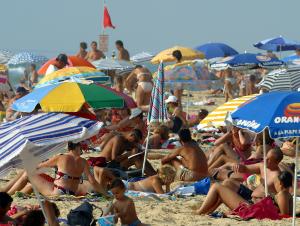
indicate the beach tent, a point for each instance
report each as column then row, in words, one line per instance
column 279, row 113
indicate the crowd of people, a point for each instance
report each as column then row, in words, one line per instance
column 234, row 160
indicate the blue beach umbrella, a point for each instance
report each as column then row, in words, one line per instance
column 292, row 60
column 277, row 44
column 213, row 50
column 247, row 61
column 26, row 58
column 277, row 111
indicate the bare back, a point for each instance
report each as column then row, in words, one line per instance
column 72, row 166
column 194, row 158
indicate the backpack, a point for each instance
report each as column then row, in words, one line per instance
column 82, row 215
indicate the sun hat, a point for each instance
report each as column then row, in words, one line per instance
column 171, row 99
column 135, row 112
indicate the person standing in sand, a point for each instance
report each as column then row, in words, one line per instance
column 189, row 160
column 95, row 53
column 178, row 89
column 123, row 53
column 82, row 51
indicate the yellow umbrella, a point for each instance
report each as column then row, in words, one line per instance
column 217, row 117
column 187, row 54
column 68, row 72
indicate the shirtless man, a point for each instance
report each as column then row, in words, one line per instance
column 189, row 160
column 274, row 157
column 123, row 53
column 82, row 50
column 94, row 54
column 118, row 144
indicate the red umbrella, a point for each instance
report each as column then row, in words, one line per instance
column 73, row 61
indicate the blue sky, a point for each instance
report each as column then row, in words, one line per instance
column 52, row 26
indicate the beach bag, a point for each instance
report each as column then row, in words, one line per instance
column 82, row 215
column 202, row 186
column 97, row 161
column 263, row 209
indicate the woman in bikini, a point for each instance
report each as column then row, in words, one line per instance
column 219, row 194
column 70, row 167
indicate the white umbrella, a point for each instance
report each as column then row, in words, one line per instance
column 111, row 64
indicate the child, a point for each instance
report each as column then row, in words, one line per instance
column 123, row 207
column 165, row 176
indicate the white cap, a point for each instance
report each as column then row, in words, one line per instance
column 135, row 112
column 171, row 99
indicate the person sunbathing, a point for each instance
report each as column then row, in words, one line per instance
column 219, row 194
column 123, row 206
column 189, row 160
column 255, row 157
column 117, row 144
column 274, row 157
column 159, row 137
column 70, row 168
column 165, row 176
column 240, row 148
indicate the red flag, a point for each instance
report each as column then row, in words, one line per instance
column 106, row 19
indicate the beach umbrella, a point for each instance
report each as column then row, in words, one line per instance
column 157, row 110
column 213, row 50
column 293, row 60
column 5, row 56
column 282, row 80
column 111, row 64
column 141, row 57
column 187, row 54
column 71, row 97
column 217, row 117
column 280, row 113
column 40, row 136
column 30, row 140
column 246, row 61
column 75, row 74
column 73, row 61
column 277, row 44
column 26, row 58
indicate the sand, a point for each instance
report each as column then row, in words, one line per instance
column 167, row 212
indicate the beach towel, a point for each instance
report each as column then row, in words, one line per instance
column 264, row 209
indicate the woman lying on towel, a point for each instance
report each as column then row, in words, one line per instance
column 219, row 194
column 70, row 167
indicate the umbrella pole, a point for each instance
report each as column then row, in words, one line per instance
column 265, row 162
column 37, row 194
column 295, row 182
column 187, row 106
column 146, row 151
